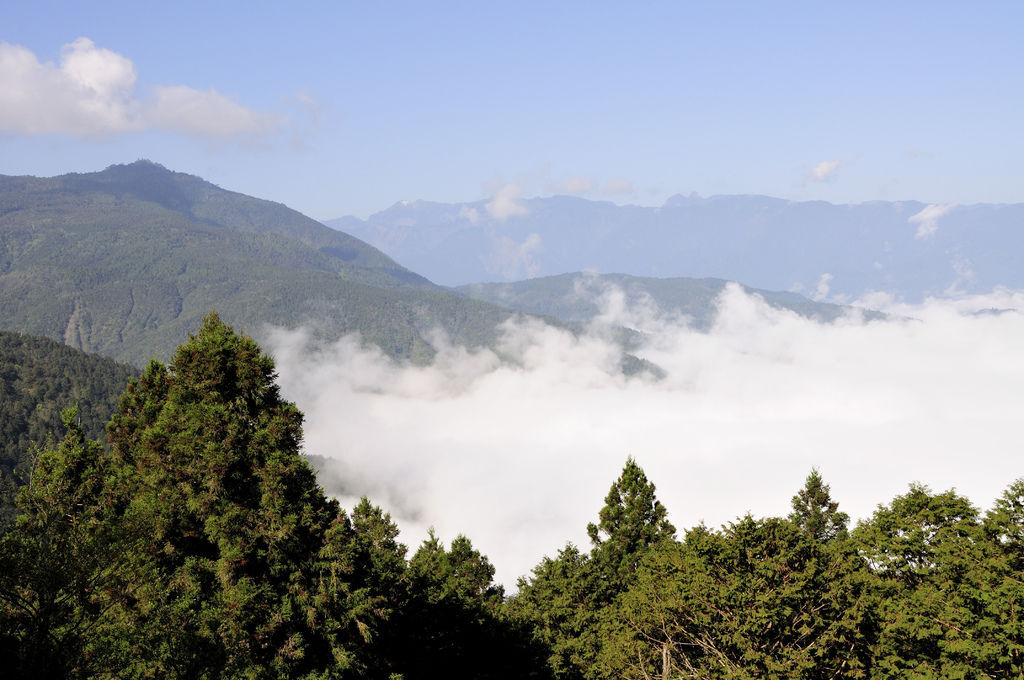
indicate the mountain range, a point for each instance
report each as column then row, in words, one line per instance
column 125, row 262
column 822, row 250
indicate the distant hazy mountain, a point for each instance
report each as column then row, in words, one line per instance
column 125, row 262
column 908, row 248
column 576, row 297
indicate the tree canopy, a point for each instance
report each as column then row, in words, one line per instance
column 198, row 544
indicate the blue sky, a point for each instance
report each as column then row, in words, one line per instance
column 346, row 107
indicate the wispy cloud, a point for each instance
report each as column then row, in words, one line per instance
column 821, row 290
column 205, row 113
column 824, row 170
column 927, row 220
column 506, row 202
column 91, row 92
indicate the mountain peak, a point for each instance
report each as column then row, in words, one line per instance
column 141, row 163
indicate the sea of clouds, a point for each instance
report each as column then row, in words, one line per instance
column 518, row 451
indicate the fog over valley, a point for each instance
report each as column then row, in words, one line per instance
column 518, row 452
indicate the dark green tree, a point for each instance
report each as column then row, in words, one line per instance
column 209, row 462
column 933, row 580
column 761, row 599
column 1004, row 524
column 1004, row 612
column 454, row 620
column 816, row 513
column 363, row 590
column 631, row 521
column 66, row 566
column 565, row 599
column 558, row 604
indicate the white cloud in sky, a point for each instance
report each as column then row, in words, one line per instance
column 205, row 113
column 506, row 202
column 825, row 170
column 519, row 455
column 927, row 220
column 92, row 92
column 964, row 270
column 822, row 288
column 89, row 93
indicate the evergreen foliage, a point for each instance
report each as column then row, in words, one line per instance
column 631, row 521
column 816, row 513
column 761, row 599
column 452, row 617
column 559, row 605
column 947, row 595
column 209, row 462
column 567, row 598
column 66, row 566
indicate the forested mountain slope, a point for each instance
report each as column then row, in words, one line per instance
column 38, row 379
column 125, row 261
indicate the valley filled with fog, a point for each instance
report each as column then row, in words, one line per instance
column 516, row 447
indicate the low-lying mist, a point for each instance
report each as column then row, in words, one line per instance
column 518, row 452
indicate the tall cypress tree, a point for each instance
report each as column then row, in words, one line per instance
column 816, row 513
column 631, row 521
column 567, row 597
column 210, row 464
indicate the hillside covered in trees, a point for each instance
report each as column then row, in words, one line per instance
column 126, row 261
column 38, row 378
column 199, row 545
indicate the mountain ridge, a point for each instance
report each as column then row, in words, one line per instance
column 127, row 261
column 909, row 248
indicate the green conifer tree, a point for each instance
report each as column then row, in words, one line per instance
column 557, row 604
column 210, row 464
column 454, row 619
column 1003, row 573
column 816, row 513
column 631, row 521
column 928, row 555
column 66, row 566
column 567, row 597
column 760, row 599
